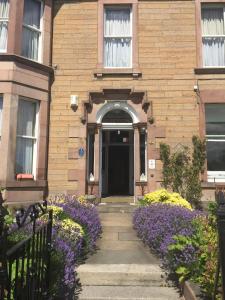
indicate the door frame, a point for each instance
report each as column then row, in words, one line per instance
column 112, row 127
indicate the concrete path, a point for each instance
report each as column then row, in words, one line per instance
column 122, row 268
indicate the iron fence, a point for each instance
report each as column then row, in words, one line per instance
column 25, row 253
column 220, row 198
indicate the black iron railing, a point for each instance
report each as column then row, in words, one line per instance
column 25, row 262
column 220, row 198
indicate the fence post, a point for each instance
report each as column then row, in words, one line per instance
column 221, row 232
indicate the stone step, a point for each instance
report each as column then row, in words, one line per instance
column 118, row 199
column 121, row 274
column 128, row 293
column 116, row 208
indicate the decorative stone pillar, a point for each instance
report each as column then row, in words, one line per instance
column 97, row 158
column 136, row 158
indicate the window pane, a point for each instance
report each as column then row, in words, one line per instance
column 213, row 51
column 91, row 141
column 216, row 156
column 117, row 116
column 32, row 13
column 117, row 22
column 24, row 155
column 215, row 119
column 117, row 52
column 1, row 109
column 4, row 14
column 142, row 153
column 4, row 9
column 26, row 118
column 26, row 123
column 212, row 21
column 30, row 43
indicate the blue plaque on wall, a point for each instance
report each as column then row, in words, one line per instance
column 81, row 152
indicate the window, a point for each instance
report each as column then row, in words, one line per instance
column 91, row 141
column 1, row 109
column 32, row 29
column 26, row 137
column 117, row 37
column 4, row 16
column 143, row 153
column 213, row 35
column 215, row 135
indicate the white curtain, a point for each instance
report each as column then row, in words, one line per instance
column 30, row 43
column 4, row 14
column 213, row 42
column 1, row 109
column 31, row 18
column 25, row 132
column 117, row 33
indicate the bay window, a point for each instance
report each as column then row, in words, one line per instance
column 4, row 18
column 31, row 45
column 215, row 136
column 213, row 35
column 118, row 36
column 1, row 109
column 26, row 137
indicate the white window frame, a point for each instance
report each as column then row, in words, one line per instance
column 1, row 100
column 35, row 137
column 3, row 20
column 39, row 31
column 118, row 6
column 222, row 6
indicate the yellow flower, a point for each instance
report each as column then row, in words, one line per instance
column 166, row 197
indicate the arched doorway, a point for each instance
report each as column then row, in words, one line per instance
column 116, row 148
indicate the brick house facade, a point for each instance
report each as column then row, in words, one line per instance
column 154, row 81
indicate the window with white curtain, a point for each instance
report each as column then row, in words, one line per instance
column 213, row 35
column 4, row 19
column 32, row 15
column 118, row 36
column 215, row 137
column 1, row 110
column 26, row 137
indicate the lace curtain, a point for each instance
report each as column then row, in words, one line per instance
column 117, row 37
column 25, row 137
column 213, row 36
column 4, row 15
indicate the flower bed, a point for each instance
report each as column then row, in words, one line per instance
column 183, row 238
column 76, row 228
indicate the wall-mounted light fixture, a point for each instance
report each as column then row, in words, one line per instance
column 74, row 102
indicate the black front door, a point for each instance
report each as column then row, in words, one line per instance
column 118, row 170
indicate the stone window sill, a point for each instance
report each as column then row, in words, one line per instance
column 24, row 184
column 209, row 70
column 135, row 73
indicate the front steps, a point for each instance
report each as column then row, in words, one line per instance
column 121, row 275
column 128, row 293
column 118, row 199
column 117, row 207
column 123, row 268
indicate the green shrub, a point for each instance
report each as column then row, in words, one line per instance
column 182, row 169
column 165, row 197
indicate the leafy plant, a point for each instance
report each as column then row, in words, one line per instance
column 181, row 170
column 165, row 197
